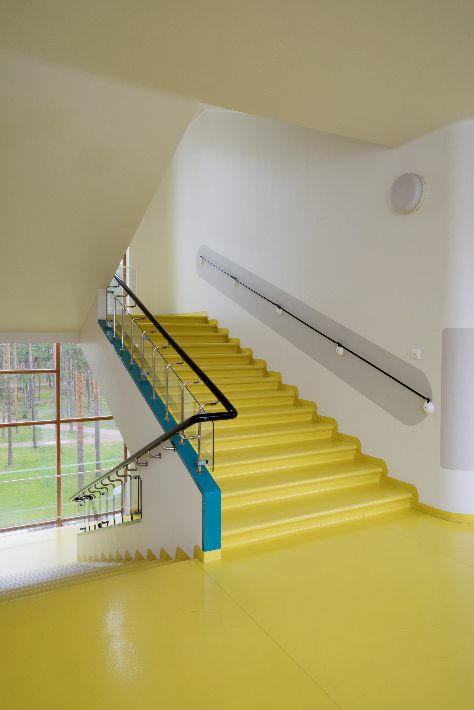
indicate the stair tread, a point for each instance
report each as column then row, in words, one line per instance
column 287, row 450
column 295, row 476
column 261, row 410
column 274, row 429
column 284, row 511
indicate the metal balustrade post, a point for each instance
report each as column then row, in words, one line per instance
column 167, row 391
column 153, row 368
column 132, row 336
column 106, row 307
column 115, row 316
column 142, row 368
column 199, row 466
column 123, row 329
column 183, row 438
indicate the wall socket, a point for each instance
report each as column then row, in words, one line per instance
column 416, row 353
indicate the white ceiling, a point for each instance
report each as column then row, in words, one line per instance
column 378, row 71
column 81, row 159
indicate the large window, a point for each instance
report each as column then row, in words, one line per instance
column 56, row 432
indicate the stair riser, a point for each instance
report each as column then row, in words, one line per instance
column 231, row 359
column 180, row 320
column 218, row 374
column 244, row 390
column 230, row 541
column 226, row 470
column 263, row 441
column 195, row 349
column 274, row 417
column 247, row 391
column 190, row 340
column 295, row 491
column 280, row 399
column 191, row 329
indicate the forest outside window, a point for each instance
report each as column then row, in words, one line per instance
column 56, row 432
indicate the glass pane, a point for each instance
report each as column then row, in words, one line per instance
column 26, row 356
column 88, row 449
column 27, row 397
column 80, row 393
column 27, row 474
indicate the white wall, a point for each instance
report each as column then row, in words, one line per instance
column 172, row 505
column 309, row 212
column 81, row 157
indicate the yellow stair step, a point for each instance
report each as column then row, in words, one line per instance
column 289, row 517
column 271, row 435
column 176, row 329
column 282, row 484
column 297, row 411
column 187, row 339
column 281, row 456
column 206, row 359
column 240, row 389
column 197, row 347
column 252, row 398
column 181, row 317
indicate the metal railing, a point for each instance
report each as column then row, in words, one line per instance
column 120, row 478
column 340, row 348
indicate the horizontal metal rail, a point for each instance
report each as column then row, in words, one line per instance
column 94, row 487
column 337, row 343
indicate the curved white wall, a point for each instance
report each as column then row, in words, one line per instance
column 309, row 213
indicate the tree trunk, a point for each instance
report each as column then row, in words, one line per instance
column 15, row 386
column 97, row 425
column 32, row 389
column 9, row 406
column 80, row 431
column 88, row 390
column 71, row 381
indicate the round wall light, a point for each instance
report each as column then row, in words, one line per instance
column 406, row 193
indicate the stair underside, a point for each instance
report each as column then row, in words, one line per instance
column 281, row 467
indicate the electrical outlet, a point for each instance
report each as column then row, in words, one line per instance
column 416, row 353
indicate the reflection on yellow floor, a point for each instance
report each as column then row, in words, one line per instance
column 378, row 616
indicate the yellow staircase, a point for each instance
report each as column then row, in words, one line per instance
column 282, row 468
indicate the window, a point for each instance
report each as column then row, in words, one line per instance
column 56, row 432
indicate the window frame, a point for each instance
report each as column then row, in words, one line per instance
column 57, row 421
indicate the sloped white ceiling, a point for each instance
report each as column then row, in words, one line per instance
column 81, row 158
column 380, row 71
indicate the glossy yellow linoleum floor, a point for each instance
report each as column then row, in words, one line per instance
column 370, row 616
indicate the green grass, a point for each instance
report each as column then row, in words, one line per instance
column 28, row 488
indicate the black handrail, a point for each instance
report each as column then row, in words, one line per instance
column 230, row 412
column 281, row 310
column 166, row 436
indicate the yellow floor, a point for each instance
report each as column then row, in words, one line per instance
column 376, row 616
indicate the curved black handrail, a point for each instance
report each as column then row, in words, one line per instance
column 281, row 309
column 230, row 412
column 80, row 495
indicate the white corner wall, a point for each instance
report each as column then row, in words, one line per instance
column 172, row 505
column 309, row 213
